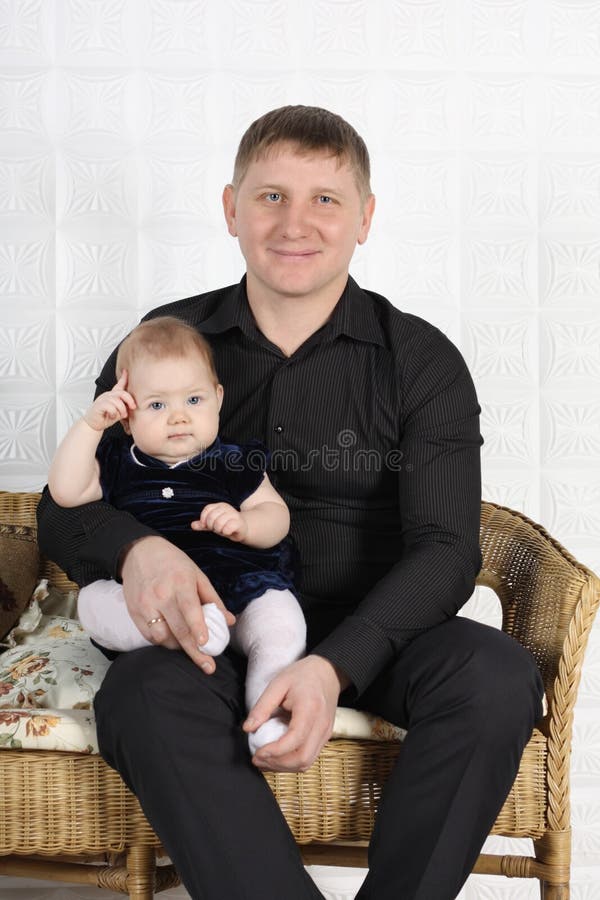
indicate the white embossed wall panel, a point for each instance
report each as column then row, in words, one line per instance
column 119, row 120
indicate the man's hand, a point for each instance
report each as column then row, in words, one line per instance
column 160, row 580
column 309, row 691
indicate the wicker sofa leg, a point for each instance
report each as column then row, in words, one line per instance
column 553, row 853
column 554, row 891
column 136, row 878
column 144, row 878
column 141, row 869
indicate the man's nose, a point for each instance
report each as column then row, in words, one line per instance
column 296, row 221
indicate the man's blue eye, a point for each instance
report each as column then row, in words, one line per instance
column 274, row 196
column 156, row 404
column 193, row 401
column 325, row 199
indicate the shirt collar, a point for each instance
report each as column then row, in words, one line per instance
column 354, row 315
column 233, row 311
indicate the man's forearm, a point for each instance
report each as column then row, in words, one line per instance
column 86, row 541
column 422, row 591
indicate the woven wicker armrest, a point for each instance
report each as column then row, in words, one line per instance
column 549, row 601
column 548, row 598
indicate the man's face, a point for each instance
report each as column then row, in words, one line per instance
column 298, row 219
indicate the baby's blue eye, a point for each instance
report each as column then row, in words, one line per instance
column 156, row 404
column 193, row 401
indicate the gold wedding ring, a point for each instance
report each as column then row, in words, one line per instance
column 151, row 622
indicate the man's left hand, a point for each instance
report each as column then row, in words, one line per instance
column 308, row 690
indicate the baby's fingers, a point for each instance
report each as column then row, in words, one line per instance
column 212, row 514
column 199, row 524
column 128, row 399
column 116, row 409
column 122, row 382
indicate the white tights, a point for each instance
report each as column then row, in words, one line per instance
column 270, row 632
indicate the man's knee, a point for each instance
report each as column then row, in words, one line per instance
column 499, row 680
column 477, row 673
column 129, row 688
column 144, row 688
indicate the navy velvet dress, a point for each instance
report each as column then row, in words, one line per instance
column 168, row 499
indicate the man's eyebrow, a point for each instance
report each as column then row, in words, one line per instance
column 269, row 187
column 279, row 189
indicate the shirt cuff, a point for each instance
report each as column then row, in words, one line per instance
column 108, row 541
column 359, row 649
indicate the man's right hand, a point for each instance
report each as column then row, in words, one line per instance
column 161, row 581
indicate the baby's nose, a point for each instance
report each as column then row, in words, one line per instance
column 178, row 414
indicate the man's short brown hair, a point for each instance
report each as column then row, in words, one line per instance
column 164, row 337
column 310, row 129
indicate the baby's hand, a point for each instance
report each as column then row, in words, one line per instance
column 223, row 519
column 111, row 406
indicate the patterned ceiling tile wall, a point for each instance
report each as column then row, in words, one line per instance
column 118, row 125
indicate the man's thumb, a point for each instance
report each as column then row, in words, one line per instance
column 262, row 710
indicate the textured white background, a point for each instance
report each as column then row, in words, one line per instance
column 119, row 121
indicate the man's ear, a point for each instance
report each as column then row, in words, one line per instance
column 367, row 218
column 229, row 209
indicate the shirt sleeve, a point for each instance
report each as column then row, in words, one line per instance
column 439, row 488
column 87, row 541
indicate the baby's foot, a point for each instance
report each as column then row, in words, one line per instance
column 269, row 731
column 218, row 630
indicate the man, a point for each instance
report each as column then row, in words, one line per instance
column 372, row 421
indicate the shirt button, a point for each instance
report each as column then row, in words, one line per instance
column 278, row 429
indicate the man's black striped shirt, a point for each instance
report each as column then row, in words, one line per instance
column 373, row 428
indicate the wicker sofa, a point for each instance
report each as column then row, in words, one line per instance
column 67, row 816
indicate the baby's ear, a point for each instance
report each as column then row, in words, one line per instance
column 125, row 424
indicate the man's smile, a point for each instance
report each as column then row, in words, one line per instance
column 294, row 254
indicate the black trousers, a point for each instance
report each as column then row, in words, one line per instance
column 468, row 694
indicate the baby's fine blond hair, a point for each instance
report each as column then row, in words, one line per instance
column 164, row 337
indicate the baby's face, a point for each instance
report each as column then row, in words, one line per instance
column 177, row 407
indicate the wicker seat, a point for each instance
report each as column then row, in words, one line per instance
column 69, row 817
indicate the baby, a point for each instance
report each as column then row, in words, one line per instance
column 167, row 398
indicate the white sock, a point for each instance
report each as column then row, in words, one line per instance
column 103, row 613
column 218, row 630
column 271, row 632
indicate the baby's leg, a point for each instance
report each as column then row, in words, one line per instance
column 104, row 615
column 271, row 632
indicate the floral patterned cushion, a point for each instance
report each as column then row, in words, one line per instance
column 353, row 723
column 51, row 672
column 47, row 686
